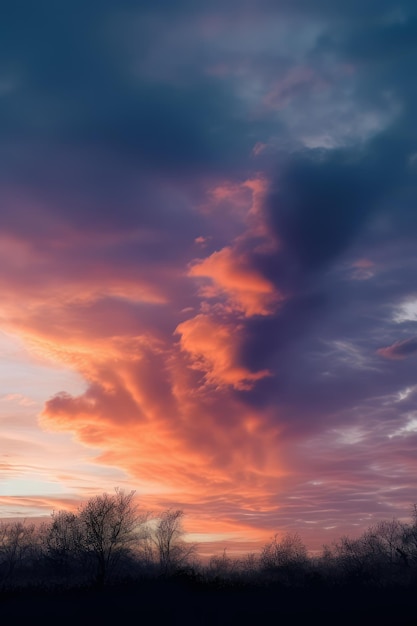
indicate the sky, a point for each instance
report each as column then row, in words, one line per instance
column 208, row 261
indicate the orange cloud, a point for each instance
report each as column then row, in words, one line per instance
column 213, row 349
column 145, row 420
column 241, row 198
column 140, row 411
column 230, row 273
column 245, row 288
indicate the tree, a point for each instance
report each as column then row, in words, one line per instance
column 290, row 550
column 249, row 565
column 408, row 550
column 62, row 542
column 390, row 535
column 222, row 566
column 17, row 542
column 173, row 551
column 285, row 557
column 109, row 527
column 361, row 559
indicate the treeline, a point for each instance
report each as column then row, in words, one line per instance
column 108, row 540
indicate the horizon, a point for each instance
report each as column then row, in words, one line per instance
column 206, row 547
column 208, row 251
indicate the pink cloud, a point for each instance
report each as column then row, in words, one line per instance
column 399, row 349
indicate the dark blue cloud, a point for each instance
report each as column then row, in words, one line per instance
column 94, row 143
column 324, row 199
column 330, row 208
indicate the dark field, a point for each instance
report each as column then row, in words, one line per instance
column 190, row 602
column 96, row 568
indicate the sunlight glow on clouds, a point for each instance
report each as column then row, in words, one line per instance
column 213, row 349
column 247, row 290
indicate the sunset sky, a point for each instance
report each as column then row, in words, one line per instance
column 208, row 261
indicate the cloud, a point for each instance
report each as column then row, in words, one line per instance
column 363, row 269
column 399, row 349
column 247, row 290
column 325, row 199
column 213, row 348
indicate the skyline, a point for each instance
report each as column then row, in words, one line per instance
column 208, row 233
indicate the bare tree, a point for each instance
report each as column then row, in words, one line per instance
column 62, row 542
column 110, row 527
column 289, row 550
column 222, row 566
column 17, row 541
column 173, row 551
column 249, row 566
column 285, row 558
column 361, row 559
column 390, row 537
column 408, row 550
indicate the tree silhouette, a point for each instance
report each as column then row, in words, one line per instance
column 173, row 551
column 17, row 543
column 62, row 542
column 110, row 525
